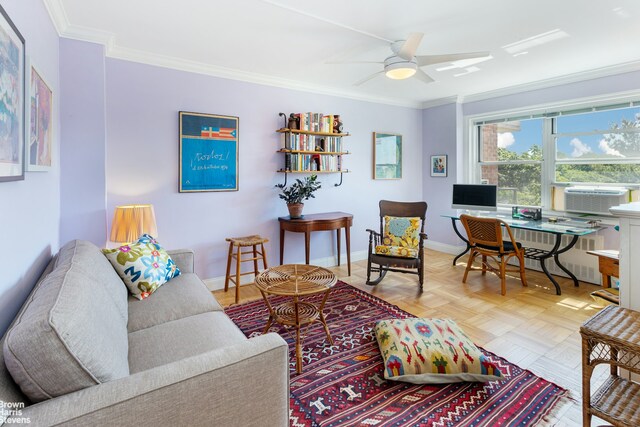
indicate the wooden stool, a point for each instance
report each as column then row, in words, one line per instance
column 239, row 243
column 613, row 337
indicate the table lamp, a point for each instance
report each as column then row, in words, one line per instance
column 131, row 221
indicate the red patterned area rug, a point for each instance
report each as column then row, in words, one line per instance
column 343, row 384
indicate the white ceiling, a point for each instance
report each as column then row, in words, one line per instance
column 289, row 42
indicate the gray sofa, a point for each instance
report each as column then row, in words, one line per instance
column 82, row 352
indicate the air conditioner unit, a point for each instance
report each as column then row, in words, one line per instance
column 595, row 200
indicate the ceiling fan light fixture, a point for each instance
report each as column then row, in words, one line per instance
column 400, row 70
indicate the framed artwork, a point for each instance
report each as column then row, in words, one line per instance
column 387, row 156
column 12, row 101
column 40, row 124
column 208, row 152
column 439, row 165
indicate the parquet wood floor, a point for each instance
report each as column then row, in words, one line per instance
column 530, row 326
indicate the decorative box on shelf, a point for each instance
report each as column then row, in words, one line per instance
column 313, row 144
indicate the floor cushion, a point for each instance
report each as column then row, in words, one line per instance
column 431, row 351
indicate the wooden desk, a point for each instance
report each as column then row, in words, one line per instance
column 608, row 264
column 318, row 222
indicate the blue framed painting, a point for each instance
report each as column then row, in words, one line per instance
column 208, row 152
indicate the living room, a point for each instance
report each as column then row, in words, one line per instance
column 115, row 129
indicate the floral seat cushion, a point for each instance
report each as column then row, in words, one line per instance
column 399, row 251
column 400, row 237
column 431, row 351
column 143, row 265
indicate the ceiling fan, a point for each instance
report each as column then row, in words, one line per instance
column 404, row 63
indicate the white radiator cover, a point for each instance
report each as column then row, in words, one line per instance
column 577, row 260
column 595, row 200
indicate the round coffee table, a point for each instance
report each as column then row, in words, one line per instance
column 296, row 280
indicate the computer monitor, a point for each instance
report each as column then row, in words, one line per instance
column 475, row 197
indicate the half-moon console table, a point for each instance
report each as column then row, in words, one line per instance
column 318, row 222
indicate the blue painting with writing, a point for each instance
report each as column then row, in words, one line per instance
column 208, row 152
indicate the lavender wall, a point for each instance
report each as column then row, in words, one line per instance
column 440, row 135
column 142, row 160
column 82, row 178
column 30, row 209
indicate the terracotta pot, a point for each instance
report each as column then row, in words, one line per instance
column 295, row 209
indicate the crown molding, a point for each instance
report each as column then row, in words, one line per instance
column 581, row 76
column 57, row 14
column 440, row 101
column 165, row 61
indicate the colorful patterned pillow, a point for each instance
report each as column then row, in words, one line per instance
column 397, row 251
column 431, row 351
column 144, row 265
column 401, row 231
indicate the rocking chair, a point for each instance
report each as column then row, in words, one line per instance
column 398, row 245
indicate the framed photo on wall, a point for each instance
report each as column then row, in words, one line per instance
column 12, row 101
column 208, row 152
column 39, row 142
column 439, row 165
column 387, row 156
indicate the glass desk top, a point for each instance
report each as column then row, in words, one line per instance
column 573, row 226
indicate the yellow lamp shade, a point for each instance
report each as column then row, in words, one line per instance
column 131, row 221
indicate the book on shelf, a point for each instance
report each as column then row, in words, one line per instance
column 316, row 122
column 302, row 142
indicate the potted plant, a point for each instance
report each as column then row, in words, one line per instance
column 297, row 193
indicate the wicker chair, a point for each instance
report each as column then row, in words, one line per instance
column 407, row 255
column 485, row 238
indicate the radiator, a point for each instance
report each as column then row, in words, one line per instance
column 577, row 260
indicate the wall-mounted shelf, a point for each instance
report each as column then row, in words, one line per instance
column 312, row 151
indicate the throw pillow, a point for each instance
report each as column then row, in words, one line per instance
column 431, row 351
column 401, row 231
column 143, row 265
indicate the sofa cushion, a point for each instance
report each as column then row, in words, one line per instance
column 178, row 339
column 143, row 265
column 98, row 269
column 183, row 296
column 70, row 336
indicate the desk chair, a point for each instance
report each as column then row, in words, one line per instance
column 485, row 238
column 399, row 242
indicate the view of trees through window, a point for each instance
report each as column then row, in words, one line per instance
column 595, row 147
column 511, row 157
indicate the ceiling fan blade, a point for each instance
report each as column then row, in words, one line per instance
column 354, row 62
column 438, row 59
column 423, row 77
column 409, row 47
column 366, row 79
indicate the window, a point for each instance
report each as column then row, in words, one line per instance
column 511, row 157
column 525, row 155
column 598, row 147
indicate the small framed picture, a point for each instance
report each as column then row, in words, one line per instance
column 439, row 165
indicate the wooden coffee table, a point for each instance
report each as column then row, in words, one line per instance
column 296, row 280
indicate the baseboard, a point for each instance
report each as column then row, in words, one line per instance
column 217, row 283
column 443, row 247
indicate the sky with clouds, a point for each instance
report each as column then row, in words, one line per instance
column 530, row 132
